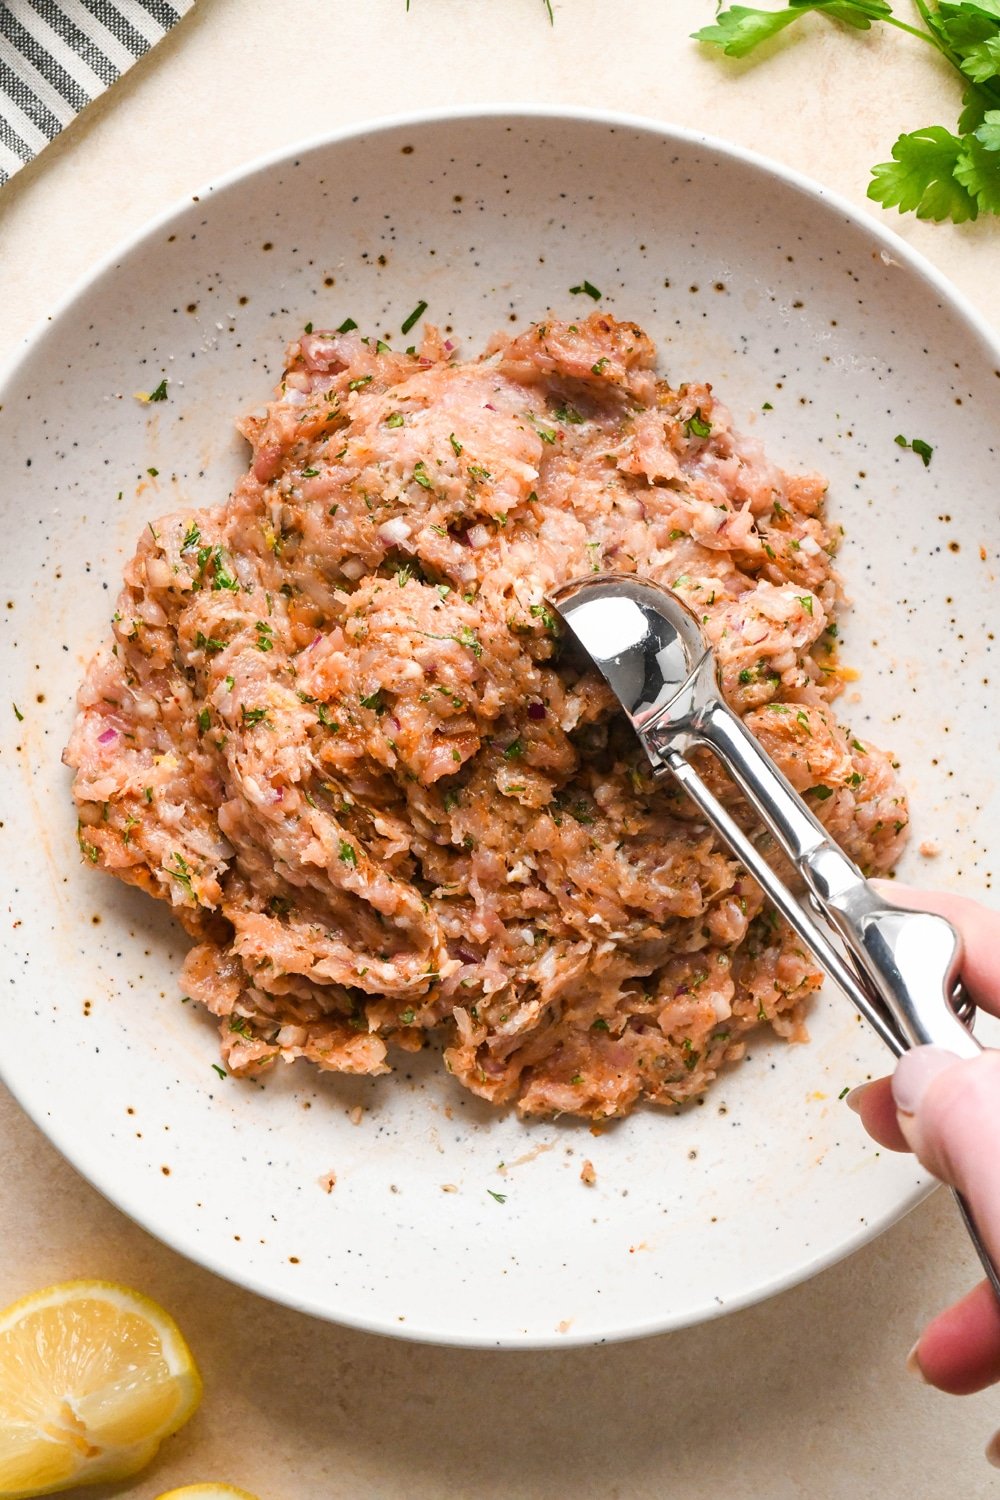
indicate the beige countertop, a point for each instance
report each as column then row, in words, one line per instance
column 805, row 1395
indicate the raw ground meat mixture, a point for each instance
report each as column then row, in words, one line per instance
column 339, row 731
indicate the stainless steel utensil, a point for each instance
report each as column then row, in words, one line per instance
column 900, row 968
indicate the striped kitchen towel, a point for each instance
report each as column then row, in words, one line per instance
column 58, row 55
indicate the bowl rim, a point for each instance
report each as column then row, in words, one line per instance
column 891, row 246
column 807, row 186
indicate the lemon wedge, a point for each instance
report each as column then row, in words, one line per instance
column 207, row 1492
column 93, row 1376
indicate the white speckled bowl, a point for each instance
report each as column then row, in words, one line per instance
column 747, row 276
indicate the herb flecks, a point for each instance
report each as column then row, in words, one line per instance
column 548, row 619
column 468, row 637
column 923, row 450
column 254, row 716
column 183, row 874
column 414, row 317
column 159, row 393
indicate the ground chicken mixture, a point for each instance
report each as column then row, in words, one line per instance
column 339, row 730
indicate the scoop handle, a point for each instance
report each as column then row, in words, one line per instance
column 909, row 961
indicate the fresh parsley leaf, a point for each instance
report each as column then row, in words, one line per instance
column 961, row 26
column 981, row 62
column 160, row 394
column 978, row 167
column 587, row 288
column 347, row 326
column 920, row 178
column 934, row 173
column 740, row 29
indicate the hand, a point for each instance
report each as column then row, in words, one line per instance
column 947, row 1111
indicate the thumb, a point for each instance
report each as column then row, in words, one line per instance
column 949, row 1111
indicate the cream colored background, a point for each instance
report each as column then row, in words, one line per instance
column 805, row 1396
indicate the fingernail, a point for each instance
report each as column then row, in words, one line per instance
column 853, row 1099
column 915, row 1072
column 914, row 1367
column 993, row 1450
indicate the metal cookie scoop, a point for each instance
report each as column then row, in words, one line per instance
column 899, row 968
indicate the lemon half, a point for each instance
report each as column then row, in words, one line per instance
column 93, row 1377
column 207, row 1492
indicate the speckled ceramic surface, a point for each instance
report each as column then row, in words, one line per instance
column 447, row 1221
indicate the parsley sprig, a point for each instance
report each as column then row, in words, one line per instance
column 935, row 173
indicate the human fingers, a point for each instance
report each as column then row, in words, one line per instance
column 948, row 1111
column 877, row 1109
column 979, row 928
column 959, row 1350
